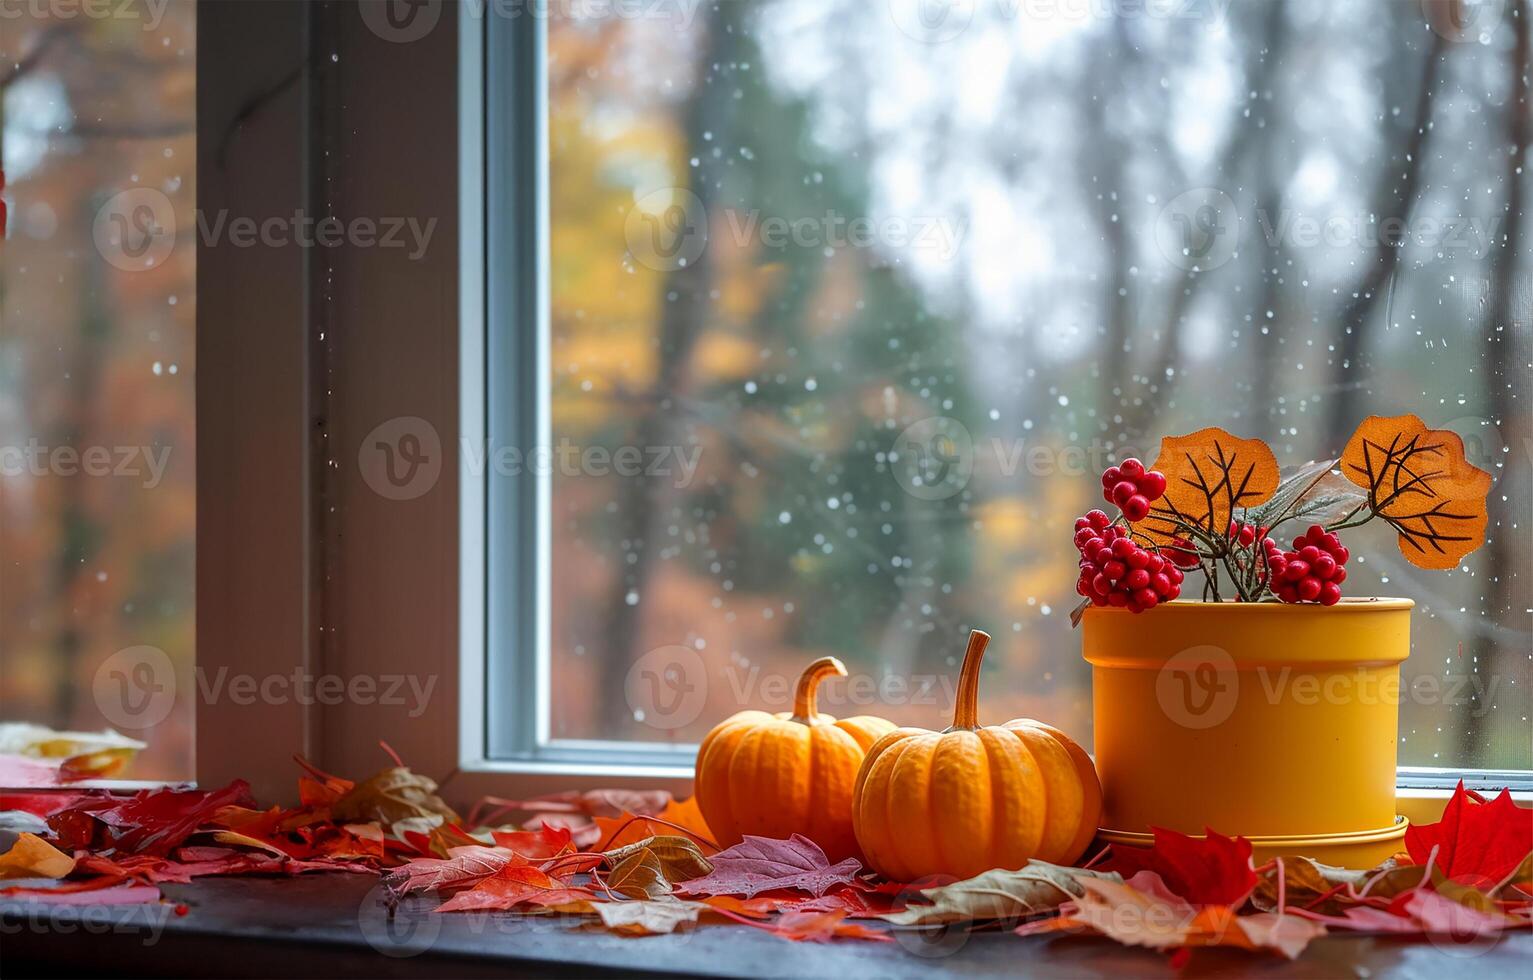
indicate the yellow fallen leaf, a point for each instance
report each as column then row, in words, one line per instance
column 33, row 857
column 390, row 796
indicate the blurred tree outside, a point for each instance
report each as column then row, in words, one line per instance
column 897, row 289
column 93, row 356
column 1129, row 197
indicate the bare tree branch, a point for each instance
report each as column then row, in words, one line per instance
column 1394, row 196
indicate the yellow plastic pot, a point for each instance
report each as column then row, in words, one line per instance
column 1275, row 722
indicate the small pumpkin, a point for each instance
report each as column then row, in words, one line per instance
column 775, row 775
column 970, row 798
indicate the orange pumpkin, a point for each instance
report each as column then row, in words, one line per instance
column 788, row 773
column 971, row 798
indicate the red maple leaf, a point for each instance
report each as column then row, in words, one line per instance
column 1211, row 870
column 1477, row 843
column 545, row 842
column 466, row 867
column 515, row 885
column 150, row 822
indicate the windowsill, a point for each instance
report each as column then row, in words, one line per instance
column 255, row 927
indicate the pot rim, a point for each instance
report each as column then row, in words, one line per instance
column 1247, row 635
column 1347, row 604
column 1394, row 831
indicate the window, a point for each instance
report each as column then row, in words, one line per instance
column 811, row 324
column 97, row 365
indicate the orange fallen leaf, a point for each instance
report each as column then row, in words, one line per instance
column 463, row 867
column 544, row 842
column 32, row 857
column 822, row 927
column 628, row 828
column 687, row 815
column 755, row 908
column 516, row 885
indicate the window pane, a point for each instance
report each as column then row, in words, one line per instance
column 96, row 373
column 791, row 236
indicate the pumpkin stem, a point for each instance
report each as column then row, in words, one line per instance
column 966, row 703
column 804, row 707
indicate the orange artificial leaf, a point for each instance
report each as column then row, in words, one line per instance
column 1209, row 475
column 1419, row 481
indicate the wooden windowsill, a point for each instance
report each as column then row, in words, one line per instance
column 334, row 925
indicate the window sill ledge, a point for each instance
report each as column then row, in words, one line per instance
column 333, row 925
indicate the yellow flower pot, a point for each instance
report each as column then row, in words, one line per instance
column 1275, row 722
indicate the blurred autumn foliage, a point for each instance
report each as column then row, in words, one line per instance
column 1056, row 329
column 92, row 355
column 794, row 368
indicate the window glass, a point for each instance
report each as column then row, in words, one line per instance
column 852, row 302
column 97, row 275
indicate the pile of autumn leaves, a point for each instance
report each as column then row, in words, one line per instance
column 643, row 863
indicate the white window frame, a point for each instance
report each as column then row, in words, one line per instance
column 301, row 565
column 506, row 397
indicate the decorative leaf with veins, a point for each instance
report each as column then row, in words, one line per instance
column 1419, row 481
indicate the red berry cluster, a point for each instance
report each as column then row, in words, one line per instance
column 1313, row 571
column 1246, row 535
column 1181, row 553
column 1132, row 488
column 1117, row 572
